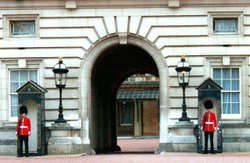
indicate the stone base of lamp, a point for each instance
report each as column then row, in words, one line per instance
column 181, row 138
column 65, row 140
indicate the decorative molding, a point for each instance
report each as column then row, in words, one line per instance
column 22, row 63
column 70, row 4
column 174, row 3
column 123, row 38
column 226, row 60
column 15, row 63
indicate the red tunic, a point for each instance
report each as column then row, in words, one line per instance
column 23, row 124
column 209, row 122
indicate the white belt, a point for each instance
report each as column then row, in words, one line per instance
column 23, row 126
column 209, row 123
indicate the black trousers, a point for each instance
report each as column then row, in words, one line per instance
column 211, row 135
column 25, row 139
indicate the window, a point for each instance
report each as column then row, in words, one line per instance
column 229, row 80
column 225, row 25
column 17, row 79
column 126, row 113
column 22, row 28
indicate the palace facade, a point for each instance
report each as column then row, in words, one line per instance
column 102, row 43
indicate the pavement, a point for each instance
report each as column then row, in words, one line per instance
column 138, row 144
column 135, row 151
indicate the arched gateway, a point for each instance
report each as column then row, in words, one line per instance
column 104, row 68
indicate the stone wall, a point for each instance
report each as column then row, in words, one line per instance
column 236, row 137
column 8, row 141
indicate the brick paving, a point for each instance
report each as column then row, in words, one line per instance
column 135, row 145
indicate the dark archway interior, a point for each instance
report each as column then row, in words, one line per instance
column 112, row 67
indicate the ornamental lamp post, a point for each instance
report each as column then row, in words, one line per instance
column 183, row 70
column 60, row 73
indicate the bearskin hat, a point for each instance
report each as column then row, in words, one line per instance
column 23, row 109
column 208, row 104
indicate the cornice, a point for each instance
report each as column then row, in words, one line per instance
column 74, row 4
column 215, row 3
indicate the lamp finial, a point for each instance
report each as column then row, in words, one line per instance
column 183, row 57
column 60, row 59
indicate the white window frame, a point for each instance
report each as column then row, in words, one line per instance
column 11, row 118
column 12, row 18
column 232, row 116
column 225, row 15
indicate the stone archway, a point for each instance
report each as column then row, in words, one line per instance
column 98, row 93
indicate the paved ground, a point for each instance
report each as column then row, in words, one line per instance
column 135, row 145
column 128, row 144
column 135, row 158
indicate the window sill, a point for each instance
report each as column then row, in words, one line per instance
column 22, row 38
column 233, row 121
column 230, row 116
column 225, row 34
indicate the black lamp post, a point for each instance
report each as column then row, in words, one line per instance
column 183, row 69
column 60, row 72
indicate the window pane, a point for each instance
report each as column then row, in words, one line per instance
column 236, row 108
column 226, row 73
column 226, row 103
column 14, row 86
column 13, row 111
column 217, row 73
column 14, row 104
column 225, row 25
column 235, row 85
column 235, row 73
column 23, row 28
column 218, row 82
column 14, row 75
column 22, row 83
column 235, row 97
column 33, row 75
column 14, row 100
column 226, row 108
column 226, row 97
column 24, row 76
column 226, row 84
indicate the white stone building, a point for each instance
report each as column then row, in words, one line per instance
column 102, row 42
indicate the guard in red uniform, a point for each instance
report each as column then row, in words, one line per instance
column 209, row 125
column 23, row 129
